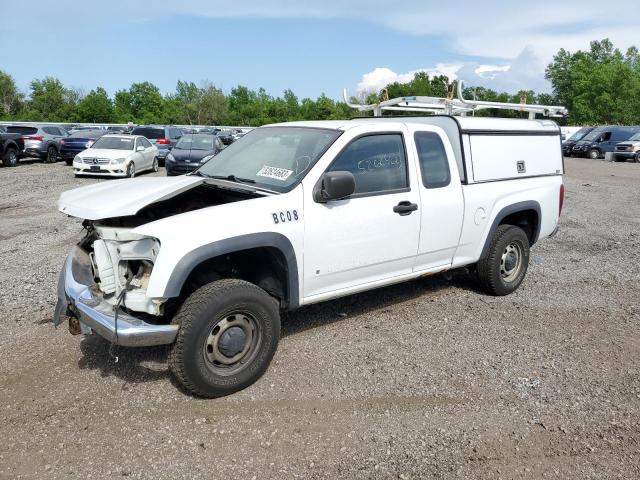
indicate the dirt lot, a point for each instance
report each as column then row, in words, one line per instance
column 429, row 379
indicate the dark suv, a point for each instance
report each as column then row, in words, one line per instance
column 164, row 138
column 569, row 143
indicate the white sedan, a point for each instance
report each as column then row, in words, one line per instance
column 117, row 156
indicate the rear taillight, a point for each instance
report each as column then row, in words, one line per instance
column 39, row 138
column 163, row 141
column 561, row 199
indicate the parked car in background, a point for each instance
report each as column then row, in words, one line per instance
column 3, row 129
column 226, row 136
column 77, row 142
column 602, row 140
column 164, row 138
column 40, row 141
column 117, row 156
column 191, row 152
column 628, row 150
column 11, row 146
column 568, row 144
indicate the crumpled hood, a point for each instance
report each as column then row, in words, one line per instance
column 121, row 198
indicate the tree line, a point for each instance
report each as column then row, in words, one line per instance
column 598, row 86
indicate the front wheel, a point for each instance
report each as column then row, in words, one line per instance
column 131, row 170
column 229, row 332
column 504, row 267
column 154, row 165
column 594, row 154
column 637, row 157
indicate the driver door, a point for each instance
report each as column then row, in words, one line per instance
column 351, row 244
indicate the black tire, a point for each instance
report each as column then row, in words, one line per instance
column 192, row 358
column 594, row 154
column 131, row 170
column 637, row 157
column 10, row 157
column 52, row 154
column 154, row 166
column 504, row 267
column 69, row 162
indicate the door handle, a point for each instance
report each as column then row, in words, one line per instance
column 405, row 208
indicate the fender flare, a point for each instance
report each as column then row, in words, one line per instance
column 191, row 260
column 509, row 210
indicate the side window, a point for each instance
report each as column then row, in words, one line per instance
column 50, row 130
column 434, row 165
column 606, row 137
column 378, row 163
column 146, row 143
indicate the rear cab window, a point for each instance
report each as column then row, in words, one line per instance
column 21, row 130
column 434, row 165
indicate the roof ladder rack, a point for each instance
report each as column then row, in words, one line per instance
column 451, row 105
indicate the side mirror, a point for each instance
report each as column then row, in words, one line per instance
column 334, row 186
column 139, row 148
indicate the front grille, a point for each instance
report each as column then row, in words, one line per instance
column 96, row 161
column 623, row 148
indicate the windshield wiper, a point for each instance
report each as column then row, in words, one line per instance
column 232, row 178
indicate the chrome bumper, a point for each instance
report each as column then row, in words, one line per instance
column 75, row 299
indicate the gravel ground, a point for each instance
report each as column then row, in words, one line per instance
column 428, row 379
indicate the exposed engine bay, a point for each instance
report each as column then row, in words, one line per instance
column 122, row 261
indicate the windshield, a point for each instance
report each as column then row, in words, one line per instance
column 114, row 143
column 87, row 134
column 635, row 138
column 275, row 158
column 593, row 134
column 195, row 142
column 580, row 134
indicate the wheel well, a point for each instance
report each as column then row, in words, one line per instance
column 527, row 220
column 265, row 267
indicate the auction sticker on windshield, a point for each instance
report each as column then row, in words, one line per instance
column 274, row 172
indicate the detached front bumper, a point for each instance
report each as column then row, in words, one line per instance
column 75, row 299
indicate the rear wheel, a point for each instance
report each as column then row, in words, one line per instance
column 229, row 332
column 131, row 170
column 504, row 267
column 10, row 157
column 52, row 155
column 594, row 154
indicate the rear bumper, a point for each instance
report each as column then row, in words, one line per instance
column 76, row 299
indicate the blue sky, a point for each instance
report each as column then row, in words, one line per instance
column 310, row 47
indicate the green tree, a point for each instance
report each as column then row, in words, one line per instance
column 96, row 107
column 49, row 101
column 10, row 98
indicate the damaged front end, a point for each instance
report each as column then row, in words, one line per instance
column 102, row 288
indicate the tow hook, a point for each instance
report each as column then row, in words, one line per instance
column 74, row 326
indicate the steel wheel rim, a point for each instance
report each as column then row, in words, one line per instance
column 222, row 355
column 12, row 157
column 132, row 170
column 511, row 262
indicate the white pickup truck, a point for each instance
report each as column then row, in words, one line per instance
column 299, row 213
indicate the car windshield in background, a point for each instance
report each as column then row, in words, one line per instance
column 579, row 135
column 21, row 130
column 593, row 134
column 275, row 158
column 87, row 134
column 195, row 142
column 150, row 133
column 635, row 138
column 114, row 143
